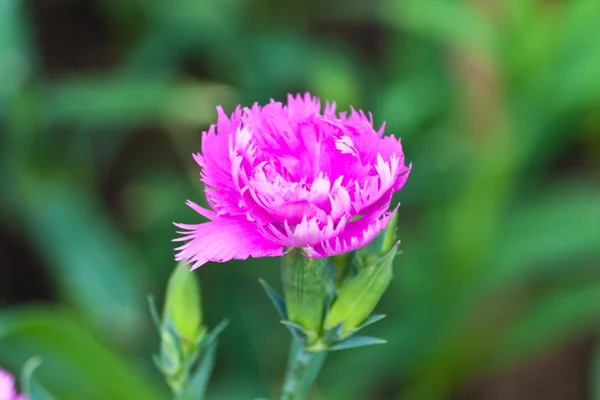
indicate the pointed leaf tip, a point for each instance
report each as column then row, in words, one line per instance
column 297, row 331
column 334, row 334
column 31, row 387
column 357, row 341
column 275, row 298
column 371, row 320
column 154, row 311
column 211, row 338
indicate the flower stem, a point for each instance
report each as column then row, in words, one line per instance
column 302, row 370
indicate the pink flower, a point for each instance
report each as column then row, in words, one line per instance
column 7, row 387
column 282, row 176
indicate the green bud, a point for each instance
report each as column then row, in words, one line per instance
column 371, row 253
column 182, row 305
column 305, row 287
column 359, row 296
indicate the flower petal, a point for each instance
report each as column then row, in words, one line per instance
column 356, row 235
column 220, row 189
column 7, row 386
column 222, row 240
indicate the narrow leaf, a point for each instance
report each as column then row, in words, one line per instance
column 196, row 387
column 211, row 338
column 371, row 320
column 154, row 312
column 357, row 341
column 63, row 341
column 358, row 299
column 276, row 299
column 29, row 385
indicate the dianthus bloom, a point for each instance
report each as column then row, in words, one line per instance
column 7, row 387
column 282, row 176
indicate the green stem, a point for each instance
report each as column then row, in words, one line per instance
column 302, row 370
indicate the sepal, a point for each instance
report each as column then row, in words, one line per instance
column 187, row 349
column 298, row 332
column 356, row 341
column 371, row 320
column 334, row 334
column 345, row 310
column 304, row 282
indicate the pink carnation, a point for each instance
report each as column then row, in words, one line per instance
column 7, row 387
column 282, row 176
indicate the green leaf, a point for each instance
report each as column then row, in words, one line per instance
column 37, row 392
column 199, row 379
column 31, row 387
column 334, row 76
column 359, row 297
column 275, row 298
column 551, row 319
column 16, row 58
column 357, row 341
column 555, row 228
column 125, row 101
column 371, row 320
column 172, row 355
column 154, row 312
column 211, row 338
column 97, row 272
column 450, row 22
column 76, row 364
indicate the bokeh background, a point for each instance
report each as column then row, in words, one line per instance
column 497, row 294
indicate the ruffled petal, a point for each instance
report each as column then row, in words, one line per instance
column 402, row 177
column 356, row 235
column 374, row 188
column 215, row 163
column 222, row 240
column 309, row 232
column 7, row 386
column 287, row 175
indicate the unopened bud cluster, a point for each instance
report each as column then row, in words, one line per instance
column 185, row 346
column 328, row 300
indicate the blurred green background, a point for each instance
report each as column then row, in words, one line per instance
column 497, row 295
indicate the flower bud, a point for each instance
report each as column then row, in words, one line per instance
column 359, row 296
column 304, row 283
column 182, row 305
